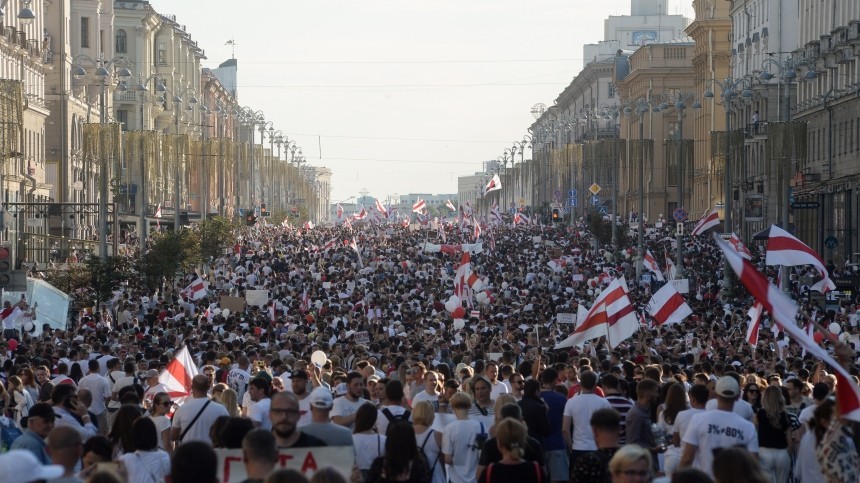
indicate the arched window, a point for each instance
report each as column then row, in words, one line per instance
column 121, row 42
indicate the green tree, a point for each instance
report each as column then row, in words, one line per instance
column 171, row 253
column 215, row 234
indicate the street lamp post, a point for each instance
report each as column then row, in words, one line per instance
column 142, row 89
column 640, row 109
column 786, row 74
column 680, row 106
column 253, row 118
column 177, row 100
column 103, row 68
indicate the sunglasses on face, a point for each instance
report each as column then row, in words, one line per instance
column 166, row 403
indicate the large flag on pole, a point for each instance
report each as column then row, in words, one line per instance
column 651, row 265
column 783, row 310
column 178, row 374
column 196, row 290
column 706, row 223
column 419, row 206
column 736, row 243
column 667, row 306
column 450, row 205
column 381, row 208
column 612, row 315
column 494, row 184
column 339, row 212
column 784, row 249
column 671, row 271
column 754, row 314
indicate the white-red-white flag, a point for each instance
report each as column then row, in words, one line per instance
column 521, row 219
column 196, row 290
column 450, row 205
column 671, row 271
column 419, row 206
column 476, row 232
column 381, row 208
column 784, row 249
column 494, row 184
column 783, row 311
column 339, row 212
column 754, row 314
column 178, row 374
column 651, row 265
column 667, row 306
column 461, row 278
column 738, row 244
column 305, row 303
column 158, row 215
column 711, row 220
column 360, row 215
column 612, row 306
column 309, row 225
column 442, row 234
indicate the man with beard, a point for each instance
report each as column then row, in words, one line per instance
column 299, row 386
column 284, row 413
column 344, row 408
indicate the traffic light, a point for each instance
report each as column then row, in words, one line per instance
column 250, row 219
column 263, row 210
column 5, row 265
column 556, row 215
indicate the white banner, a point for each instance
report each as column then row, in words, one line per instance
column 257, row 297
column 565, row 318
column 681, row 285
column 231, row 466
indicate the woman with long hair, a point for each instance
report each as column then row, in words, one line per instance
column 511, row 439
column 534, row 409
column 230, row 400
column 28, row 378
column 403, row 462
column 367, row 443
column 120, row 432
column 752, row 395
column 676, row 401
column 147, row 463
column 774, row 435
column 161, row 405
column 428, row 439
column 20, row 401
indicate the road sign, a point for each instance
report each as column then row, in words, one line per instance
column 805, row 205
column 522, row 201
column 594, row 188
column 680, row 215
column 603, row 210
column 831, row 242
column 572, row 193
column 572, row 202
column 595, row 200
column 555, row 205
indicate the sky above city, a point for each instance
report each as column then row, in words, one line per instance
column 399, row 96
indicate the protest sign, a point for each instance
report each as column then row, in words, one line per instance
column 257, row 297
column 566, row 318
column 361, row 337
column 234, row 304
column 231, row 466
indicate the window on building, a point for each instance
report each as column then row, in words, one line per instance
column 162, row 54
column 611, row 93
column 85, row 32
column 122, row 119
column 121, row 47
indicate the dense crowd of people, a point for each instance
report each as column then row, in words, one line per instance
column 354, row 346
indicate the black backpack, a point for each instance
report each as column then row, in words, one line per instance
column 392, row 418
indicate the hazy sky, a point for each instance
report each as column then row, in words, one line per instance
column 399, row 96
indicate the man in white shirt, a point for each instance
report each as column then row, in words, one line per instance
column 578, row 411
column 260, row 389
column 153, row 387
column 239, row 377
column 200, row 407
column 432, row 387
column 462, row 441
column 99, row 387
column 720, row 428
column 393, row 410
column 344, row 407
column 698, row 398
column 497, row 387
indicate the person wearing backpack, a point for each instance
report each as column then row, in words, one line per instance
column 511, row 437
column 428, row 439
column 462, row 441
column 395, row 409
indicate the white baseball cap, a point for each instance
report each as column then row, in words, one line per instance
column 21, row 466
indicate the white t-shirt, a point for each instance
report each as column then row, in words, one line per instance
column 682, row 421
column 423, row 396
column 162, row 423
column 579, row 409
column 498, row 389
column 238, row 380
column 367, row 448
column 200, row 430
column 259, row 413
column 718, row 429
column 304, row 411
column 458, row 441
column 382, row 422
column 99, row 387
column 741, row 408
column 341, row 406
column 146, row 466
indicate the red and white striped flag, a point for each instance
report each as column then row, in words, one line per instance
column 196, row 290
column 783, row 311
column 158, row 216
column 754, row 314
column 476, row 233
column 521, row 219
column 380, row 208
column 494, row 184
column 419, row 206
column 450, row 205
column 736, row 243
column 360, row 215
column 305, row 303
column 309, row 225
column 178, row 374
column 442, row 234
column 706, row 223
column 784, row 249
column 651, row 265
column 671, row 271
column 339, row 212
column 612, row 315
column 667, row 306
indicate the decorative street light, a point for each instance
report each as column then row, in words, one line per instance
column 103, row 74
column 142, row 206
column 253, row 118
column 640, row 108
column 25, row 15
